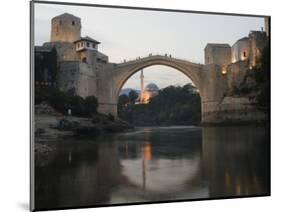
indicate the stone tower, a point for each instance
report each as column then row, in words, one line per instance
column 65, row 28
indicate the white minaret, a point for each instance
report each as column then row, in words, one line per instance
column 142, row 87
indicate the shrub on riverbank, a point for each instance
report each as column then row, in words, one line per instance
column 63, row 101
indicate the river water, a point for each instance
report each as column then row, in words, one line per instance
column 155, row 164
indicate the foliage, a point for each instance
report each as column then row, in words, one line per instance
column 263, row 79
column 123, row 100
column 62, row 101
column 173, row 105
column 91, row 104
column 133, row 95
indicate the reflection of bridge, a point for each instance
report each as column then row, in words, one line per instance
column 208, row 79
column 102, row 174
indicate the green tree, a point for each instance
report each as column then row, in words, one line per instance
column 263, row 79
column 77, row 105
column 133, row 95
column 91, row 105
column 172, row 105
column 60, row 100
column 123, row 100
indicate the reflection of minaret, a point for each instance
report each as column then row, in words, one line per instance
column 146, row 154
column 142, row 87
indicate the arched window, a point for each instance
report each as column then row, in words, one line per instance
column 245, row 54
column 73, row 23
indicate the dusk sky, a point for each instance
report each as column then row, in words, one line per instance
column 127, row 34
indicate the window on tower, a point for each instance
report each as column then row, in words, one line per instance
column 88, row 44
column 73, row 23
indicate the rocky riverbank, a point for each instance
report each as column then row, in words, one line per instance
column 50, row 126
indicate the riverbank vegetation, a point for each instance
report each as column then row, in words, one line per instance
column 63, row 101
column 52, row 104
column 174, row 105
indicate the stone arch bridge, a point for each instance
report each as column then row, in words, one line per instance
column 208, row 79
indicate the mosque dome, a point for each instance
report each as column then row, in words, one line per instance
column 152, row 87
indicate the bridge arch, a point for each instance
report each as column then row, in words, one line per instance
column 125, row 71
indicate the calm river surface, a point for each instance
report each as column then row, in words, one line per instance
column 155, row 164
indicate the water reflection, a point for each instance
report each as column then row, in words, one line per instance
column 152, row 164
column 236, row 161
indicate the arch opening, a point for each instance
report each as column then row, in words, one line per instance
column 188, row 73
column 147, row 81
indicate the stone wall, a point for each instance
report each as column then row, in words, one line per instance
column 86, row 85
column 68, row 75
column 65, row 28
column 236, row 73
column 78, row 76
column 258, row 40
column 241, row 50
column 218, row 106
column 232, row 110
column 65, row 51
column 219, row 54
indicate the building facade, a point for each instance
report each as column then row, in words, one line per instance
column 78, row 58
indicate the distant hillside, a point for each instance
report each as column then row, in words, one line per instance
column 127, row 91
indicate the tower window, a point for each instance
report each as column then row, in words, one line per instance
column 57, row 30
column 60, row 22
column 93, row 45
column 245, row 54
column 73, row 23
column 88, row 44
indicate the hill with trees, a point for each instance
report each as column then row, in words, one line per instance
column 174, row 105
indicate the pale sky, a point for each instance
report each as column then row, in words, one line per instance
column 127, row 34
